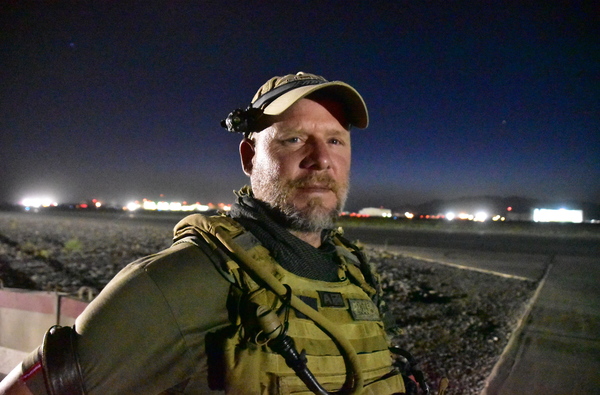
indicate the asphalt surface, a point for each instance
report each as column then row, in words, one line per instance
column 556, row 349
column 525, row 243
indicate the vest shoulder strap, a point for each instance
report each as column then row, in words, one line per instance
column 206, row 232
column 360, row 266
column 201, row 230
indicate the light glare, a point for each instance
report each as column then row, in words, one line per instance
column 480, row 217
column 562, row 215
column 37, row 202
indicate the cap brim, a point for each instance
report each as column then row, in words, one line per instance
column 355, row 105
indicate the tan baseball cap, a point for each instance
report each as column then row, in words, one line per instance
column 279, row 93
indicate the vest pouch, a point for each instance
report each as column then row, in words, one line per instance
column 389, row 385
column 378, row 381
column 292, row 385
column 244, row 373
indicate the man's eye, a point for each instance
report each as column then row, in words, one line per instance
column 293, row 140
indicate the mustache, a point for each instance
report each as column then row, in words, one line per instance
column 323, row 180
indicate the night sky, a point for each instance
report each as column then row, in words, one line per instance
column 120, row 102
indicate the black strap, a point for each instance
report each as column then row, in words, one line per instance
column 59, row 360
column 364, row 265
column 270, row 96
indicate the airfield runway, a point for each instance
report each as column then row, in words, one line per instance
column 556, row 349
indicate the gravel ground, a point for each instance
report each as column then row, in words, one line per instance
column 64, row 253
column 455, row 322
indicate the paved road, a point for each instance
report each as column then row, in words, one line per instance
column 556, row 350
column 517, row 243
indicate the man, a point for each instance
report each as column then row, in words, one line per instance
column 267, row 300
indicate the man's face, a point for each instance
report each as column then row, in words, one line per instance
column 300, row 164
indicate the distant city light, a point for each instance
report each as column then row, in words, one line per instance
column 163, row 206
column 561, row 215
column 37, row 202
column 480, row 217
column 132, row 206
column 376, row 212
column 539, row 214
column 151, row 205
column 145, row 204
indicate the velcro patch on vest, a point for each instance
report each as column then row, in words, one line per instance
column 246, row 240
column 331, row 299
column 363, row 310
column 312, row 302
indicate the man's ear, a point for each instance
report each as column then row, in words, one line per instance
column 246, row 155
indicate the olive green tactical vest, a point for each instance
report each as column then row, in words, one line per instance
column 241, row 362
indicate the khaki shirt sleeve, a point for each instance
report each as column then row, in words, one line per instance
column 146, row 330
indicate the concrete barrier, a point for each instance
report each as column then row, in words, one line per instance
column 25, row 316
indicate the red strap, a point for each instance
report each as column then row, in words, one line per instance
column 32, row 371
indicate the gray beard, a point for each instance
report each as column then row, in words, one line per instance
column 312, row 218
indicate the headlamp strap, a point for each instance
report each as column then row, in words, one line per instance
column 244, row 121
column 270, row 96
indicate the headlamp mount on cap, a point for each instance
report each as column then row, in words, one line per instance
column 279, row 93
column 244, row 121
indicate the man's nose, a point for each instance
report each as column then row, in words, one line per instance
column 318, row 156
